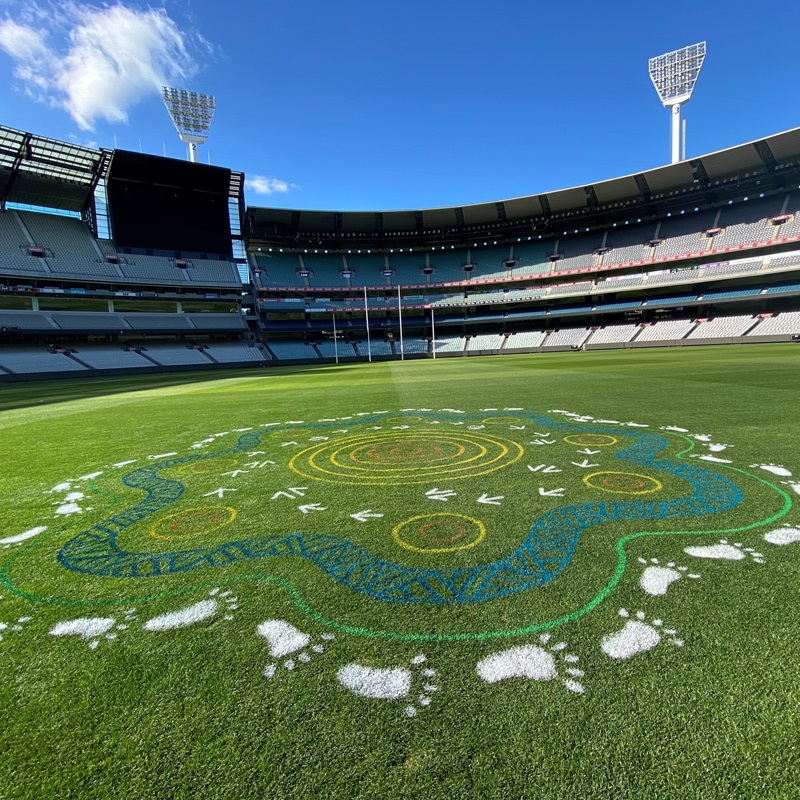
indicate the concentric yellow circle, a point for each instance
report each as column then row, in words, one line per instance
column 405, row 457
column 193, row 522
column 591, row 439
column 623, row 483
column 439, row 533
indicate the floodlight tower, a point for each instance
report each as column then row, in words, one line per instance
column 674, row 76
column 191, row 113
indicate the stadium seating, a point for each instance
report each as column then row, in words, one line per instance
column 723, row 327
column 485, row 341
column 278, row 269
column 524, row 340
column 25, row 360
column 532, row 258
column 110, row 357
column 208, row 272
column 786, row 323
column 170, row 355
column 684, row 234
column 449, row 344
column 234, row 352
column 613, row 334
column 572, row 288
column 577, row 251
column 16, row 260
column 327, row 349
column 287, row 351
column 665, row 330
column 71, row 250
column 626, row 244
column 378, row 347
column 747, row 223
column 413, row 345
column 566, row 337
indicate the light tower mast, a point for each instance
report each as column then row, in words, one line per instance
column 191, row 114
column 674, row 76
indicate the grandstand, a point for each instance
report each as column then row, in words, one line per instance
column 666, row 259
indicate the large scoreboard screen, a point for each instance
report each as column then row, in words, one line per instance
column 160, row 203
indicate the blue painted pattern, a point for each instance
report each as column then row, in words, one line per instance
column 540, row 557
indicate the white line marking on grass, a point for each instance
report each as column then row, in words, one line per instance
column 674, row 428
column 161, row 455
column 637, row 636
column 783, row 536
column 125, row 463
column 219, row 492
column 60, row 487
column 724, row 551
column 795, row 486
column 657, row 578
column 21, row 537
column 440, row 494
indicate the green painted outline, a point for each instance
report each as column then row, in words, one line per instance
column 409, row 637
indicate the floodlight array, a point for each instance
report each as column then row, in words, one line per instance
column 191, row 113
column 674, row 74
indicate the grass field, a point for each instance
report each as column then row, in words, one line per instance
column 568, row 575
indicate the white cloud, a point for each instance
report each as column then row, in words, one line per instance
column 97, row 62
column 262, row 184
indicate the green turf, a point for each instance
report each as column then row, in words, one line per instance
column 189, row 713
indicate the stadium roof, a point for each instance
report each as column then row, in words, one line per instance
column 46, row 172
column 764, row 165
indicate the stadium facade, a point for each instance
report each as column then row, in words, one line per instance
column 112, row 261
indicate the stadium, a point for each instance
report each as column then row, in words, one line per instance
column 249, row 551
column 704, row 251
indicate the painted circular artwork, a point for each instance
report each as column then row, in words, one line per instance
column 408, row 524
column 430, row 507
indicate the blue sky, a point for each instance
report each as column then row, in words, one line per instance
column 391, row 105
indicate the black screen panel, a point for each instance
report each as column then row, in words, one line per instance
column 164, row 204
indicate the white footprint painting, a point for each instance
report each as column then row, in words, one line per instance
column 392, row 683
column 775, row 469
column 22, row 537
column 191, row 615
column 783, row 536
column 534, row 663
column 657, row 578
column 89, row 628
column 285, row 640
column 724, row 551
column 637, row 636
column 13, row 627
